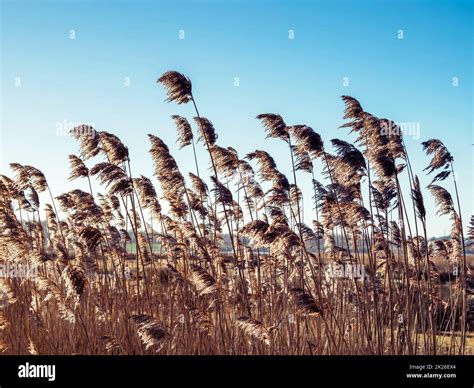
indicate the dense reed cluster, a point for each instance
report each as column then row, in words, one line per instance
column 226, row 264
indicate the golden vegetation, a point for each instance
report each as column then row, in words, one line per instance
column 230, row 267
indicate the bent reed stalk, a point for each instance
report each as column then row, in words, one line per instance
column 226, row 264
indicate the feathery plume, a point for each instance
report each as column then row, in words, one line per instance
column 150, row 331
column 418, row 199
column 202, row 280
column 75, row 280
column 178, row 87
column 114, row 149
column 207, row 133
column 185, row 133
column 254, row 328
column 443, row 200
column 88, row 140
column 441, row 157
column 305, row 303
column 78, row 168
column 274, row 126
column 307, row 140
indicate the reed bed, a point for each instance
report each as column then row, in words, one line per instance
column 231, row 267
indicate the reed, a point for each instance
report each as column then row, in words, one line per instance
column 226, row 264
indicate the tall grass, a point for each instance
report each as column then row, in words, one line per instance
column 362, row 278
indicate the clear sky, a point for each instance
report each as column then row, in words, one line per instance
column 51, row 81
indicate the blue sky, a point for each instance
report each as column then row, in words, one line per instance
column 66, row 81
